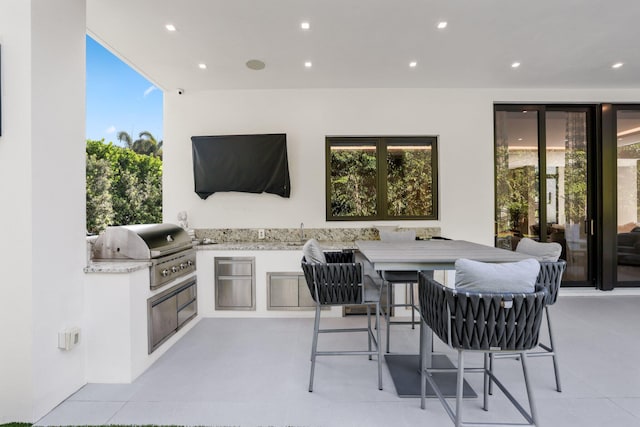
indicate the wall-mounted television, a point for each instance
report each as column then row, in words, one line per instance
column 244, row 163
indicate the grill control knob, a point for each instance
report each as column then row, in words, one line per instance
column 183, row 265
column 189, row 263
column 175, row 268
column 165, row 273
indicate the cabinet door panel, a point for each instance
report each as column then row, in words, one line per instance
column 283, row 291
column 235, row 293
column 304, row 295
column 234, row 268
column 164, row 319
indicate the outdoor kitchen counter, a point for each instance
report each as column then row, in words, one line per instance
column 271, row 246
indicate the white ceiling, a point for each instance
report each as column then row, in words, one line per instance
column 369, row 43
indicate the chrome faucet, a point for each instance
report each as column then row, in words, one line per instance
column 302, row 231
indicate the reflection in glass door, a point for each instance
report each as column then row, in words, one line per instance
column 554, row 207
column 566, row 165
column 628, row 196
column 517, row 170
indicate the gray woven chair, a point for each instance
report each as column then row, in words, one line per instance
column 550, row 278
column 480, row 322
column 340, row 282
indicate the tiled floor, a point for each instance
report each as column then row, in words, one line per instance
column 254, row 372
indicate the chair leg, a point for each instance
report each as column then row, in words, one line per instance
column 314, row 346
column 490, row 370
column 532, row 405
column 379, row 347
column 388, row 313
column 556, row 368
column 459, row 388
column 485, row 387
column 423, row 370
column 413, row 311
column 369, row 330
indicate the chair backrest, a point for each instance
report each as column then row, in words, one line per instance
column 397, row 236
column 482, row 321
column 542, row 251
column 334, row 283
column 550, row 277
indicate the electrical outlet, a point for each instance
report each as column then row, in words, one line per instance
column 261, row 234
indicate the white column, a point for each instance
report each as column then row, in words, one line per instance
column 43, row 208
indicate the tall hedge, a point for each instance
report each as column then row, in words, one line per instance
column 123, row 187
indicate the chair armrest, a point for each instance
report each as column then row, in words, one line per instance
column 550, row 277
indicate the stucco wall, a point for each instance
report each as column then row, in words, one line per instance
column 462, row 119
column 42, row 193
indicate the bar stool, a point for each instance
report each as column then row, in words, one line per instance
column 487, row 322
column 391, row 278
column 334, row 279
column 550, row 277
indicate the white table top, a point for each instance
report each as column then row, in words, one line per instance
column 430, row 254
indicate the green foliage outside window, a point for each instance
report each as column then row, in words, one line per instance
column 372, row 178
column 123, row 187
column 409, row 182
column 354, row 182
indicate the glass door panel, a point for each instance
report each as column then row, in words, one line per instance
column 567, row 220
column 517, row 172
column 628, row 196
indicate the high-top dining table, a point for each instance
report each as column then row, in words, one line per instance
column 427, row 256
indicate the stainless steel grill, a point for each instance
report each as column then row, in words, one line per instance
column 167, row 246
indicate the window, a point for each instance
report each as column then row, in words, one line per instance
column 374, row 178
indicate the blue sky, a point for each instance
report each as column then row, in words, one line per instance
column 118, row 98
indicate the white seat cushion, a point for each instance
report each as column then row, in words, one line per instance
column 497, row 277
column 313, row 252
column 542, row 251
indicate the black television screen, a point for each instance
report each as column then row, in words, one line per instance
column 245, row 163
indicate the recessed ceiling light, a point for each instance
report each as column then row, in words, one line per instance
column 170, row 27
column 413, row 64
column 305, row 25
column 617, row 65
column 442, row 25
column 255, row 64
column 515, row 65
column 202, row 66
column 308, row 64
column 519, row 139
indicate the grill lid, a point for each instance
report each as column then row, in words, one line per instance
column 140, row 242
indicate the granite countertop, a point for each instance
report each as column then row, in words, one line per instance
column 131, row 266
column 116, row 266
column 270, row 246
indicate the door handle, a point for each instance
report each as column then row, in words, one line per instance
column 588, row 227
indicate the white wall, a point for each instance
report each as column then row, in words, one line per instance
column 42, row 191
column 462, row 118
column 15, row 213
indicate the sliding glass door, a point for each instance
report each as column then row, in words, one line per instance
column 627, row 135
column 543, row 157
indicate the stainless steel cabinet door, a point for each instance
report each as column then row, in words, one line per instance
column 164, row 320
column 304, row 295
column 235, row 283
column 283, row 291
column 234, row 293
